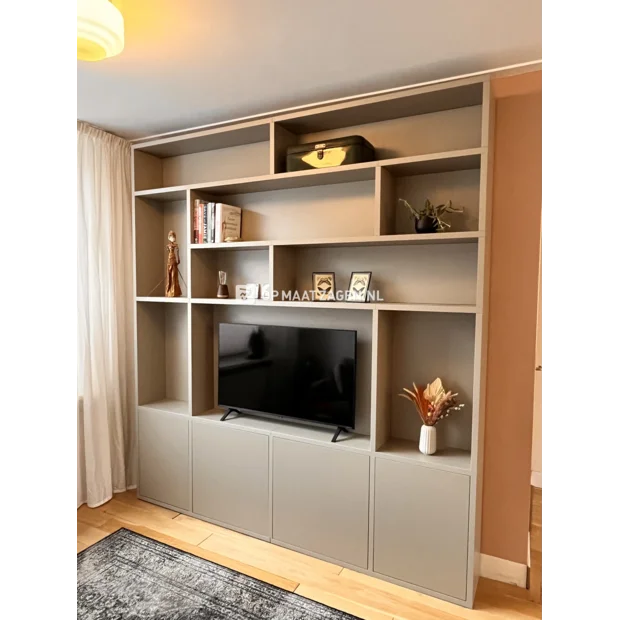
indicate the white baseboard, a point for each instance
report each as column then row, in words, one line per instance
column 503, row 570
column 536, row 480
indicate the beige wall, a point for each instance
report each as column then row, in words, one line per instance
column 515, row 254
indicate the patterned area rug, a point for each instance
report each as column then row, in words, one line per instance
column 128, row 576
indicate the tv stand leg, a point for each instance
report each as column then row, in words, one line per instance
column 228, row 413
column 339, row 430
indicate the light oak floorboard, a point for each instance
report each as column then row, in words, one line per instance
column 89, row 535
column 189, row 533
column 535, row 573
column 91, row 516
column 130, row 499
column 277, row 560
column 361, row 595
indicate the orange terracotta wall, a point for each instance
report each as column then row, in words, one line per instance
column 515, row 250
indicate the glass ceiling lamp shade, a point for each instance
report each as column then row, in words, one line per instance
column 100, row 30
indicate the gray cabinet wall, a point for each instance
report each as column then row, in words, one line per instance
column 231, row 477
column 320, row 500
column 163, row 463
column 421, row 523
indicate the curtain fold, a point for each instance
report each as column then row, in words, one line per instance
column 106, row 392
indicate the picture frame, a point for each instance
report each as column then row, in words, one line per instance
column 248, row 292
column 252, row 290
column 324, row 285
column 359, row 285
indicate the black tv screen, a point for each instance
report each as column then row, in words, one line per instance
column 295, row 372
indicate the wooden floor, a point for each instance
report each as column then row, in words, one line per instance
column 536, row 545
column 321, row 581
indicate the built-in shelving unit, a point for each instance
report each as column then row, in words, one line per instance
column 266, row 477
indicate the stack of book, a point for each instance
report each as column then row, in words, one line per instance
column 214, row 222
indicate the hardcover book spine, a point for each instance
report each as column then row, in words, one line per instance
column 209, row 222
column 218, row 223
column 213, row 222
column 205, row 223
column 195, row 223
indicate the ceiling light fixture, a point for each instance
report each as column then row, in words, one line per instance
column 100, row 30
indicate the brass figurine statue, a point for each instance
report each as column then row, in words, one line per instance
column 173, row 289
column 222, row 289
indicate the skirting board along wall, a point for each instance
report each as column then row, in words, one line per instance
column 537, row 479
column 503, row 570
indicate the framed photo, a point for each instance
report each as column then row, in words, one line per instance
column 358, row 286
column 324, row 286
column 252, row 290
column 247, row 291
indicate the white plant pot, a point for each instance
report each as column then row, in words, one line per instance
column 428, row 439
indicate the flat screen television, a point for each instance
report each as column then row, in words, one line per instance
column 299, row 373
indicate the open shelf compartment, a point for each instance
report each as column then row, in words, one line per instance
column 288, row 429
column 242, row 266
column 397, row 125
column 344, row 209
column 421, row 347
column 458, row 181
column 413, row 274
column 205, row 328
column 208, row 155
column 154, row 219
column 162, row 337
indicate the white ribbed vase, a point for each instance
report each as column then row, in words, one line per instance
column 428, row 439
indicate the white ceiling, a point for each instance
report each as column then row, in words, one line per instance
column 192, row 62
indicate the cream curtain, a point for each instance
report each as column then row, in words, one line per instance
column 106, row 395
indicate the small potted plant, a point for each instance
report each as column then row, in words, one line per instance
column 433, row 404
column 430, row 218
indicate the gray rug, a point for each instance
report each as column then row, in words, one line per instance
column 127, row 576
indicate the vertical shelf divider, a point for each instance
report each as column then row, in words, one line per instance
column 279, row 139
column 384, row 201
column 481, row 337
column 380, row 408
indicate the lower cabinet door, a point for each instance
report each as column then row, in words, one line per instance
column 164, row 457
column 421, row 526
column 320, row 500
column 231, row 476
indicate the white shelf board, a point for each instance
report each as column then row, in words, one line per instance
column 409, row 307
column 233, row 245
column 231, row 301
column 340, row 305
column 235, row 134
column 163, row 194
column 169, row 405
column 288, row 430
column 447, row 161
column 421, row 100
column 290, row 180
column 324, row 305
column 163, row 300
column 373, row 240
column 448, row 459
